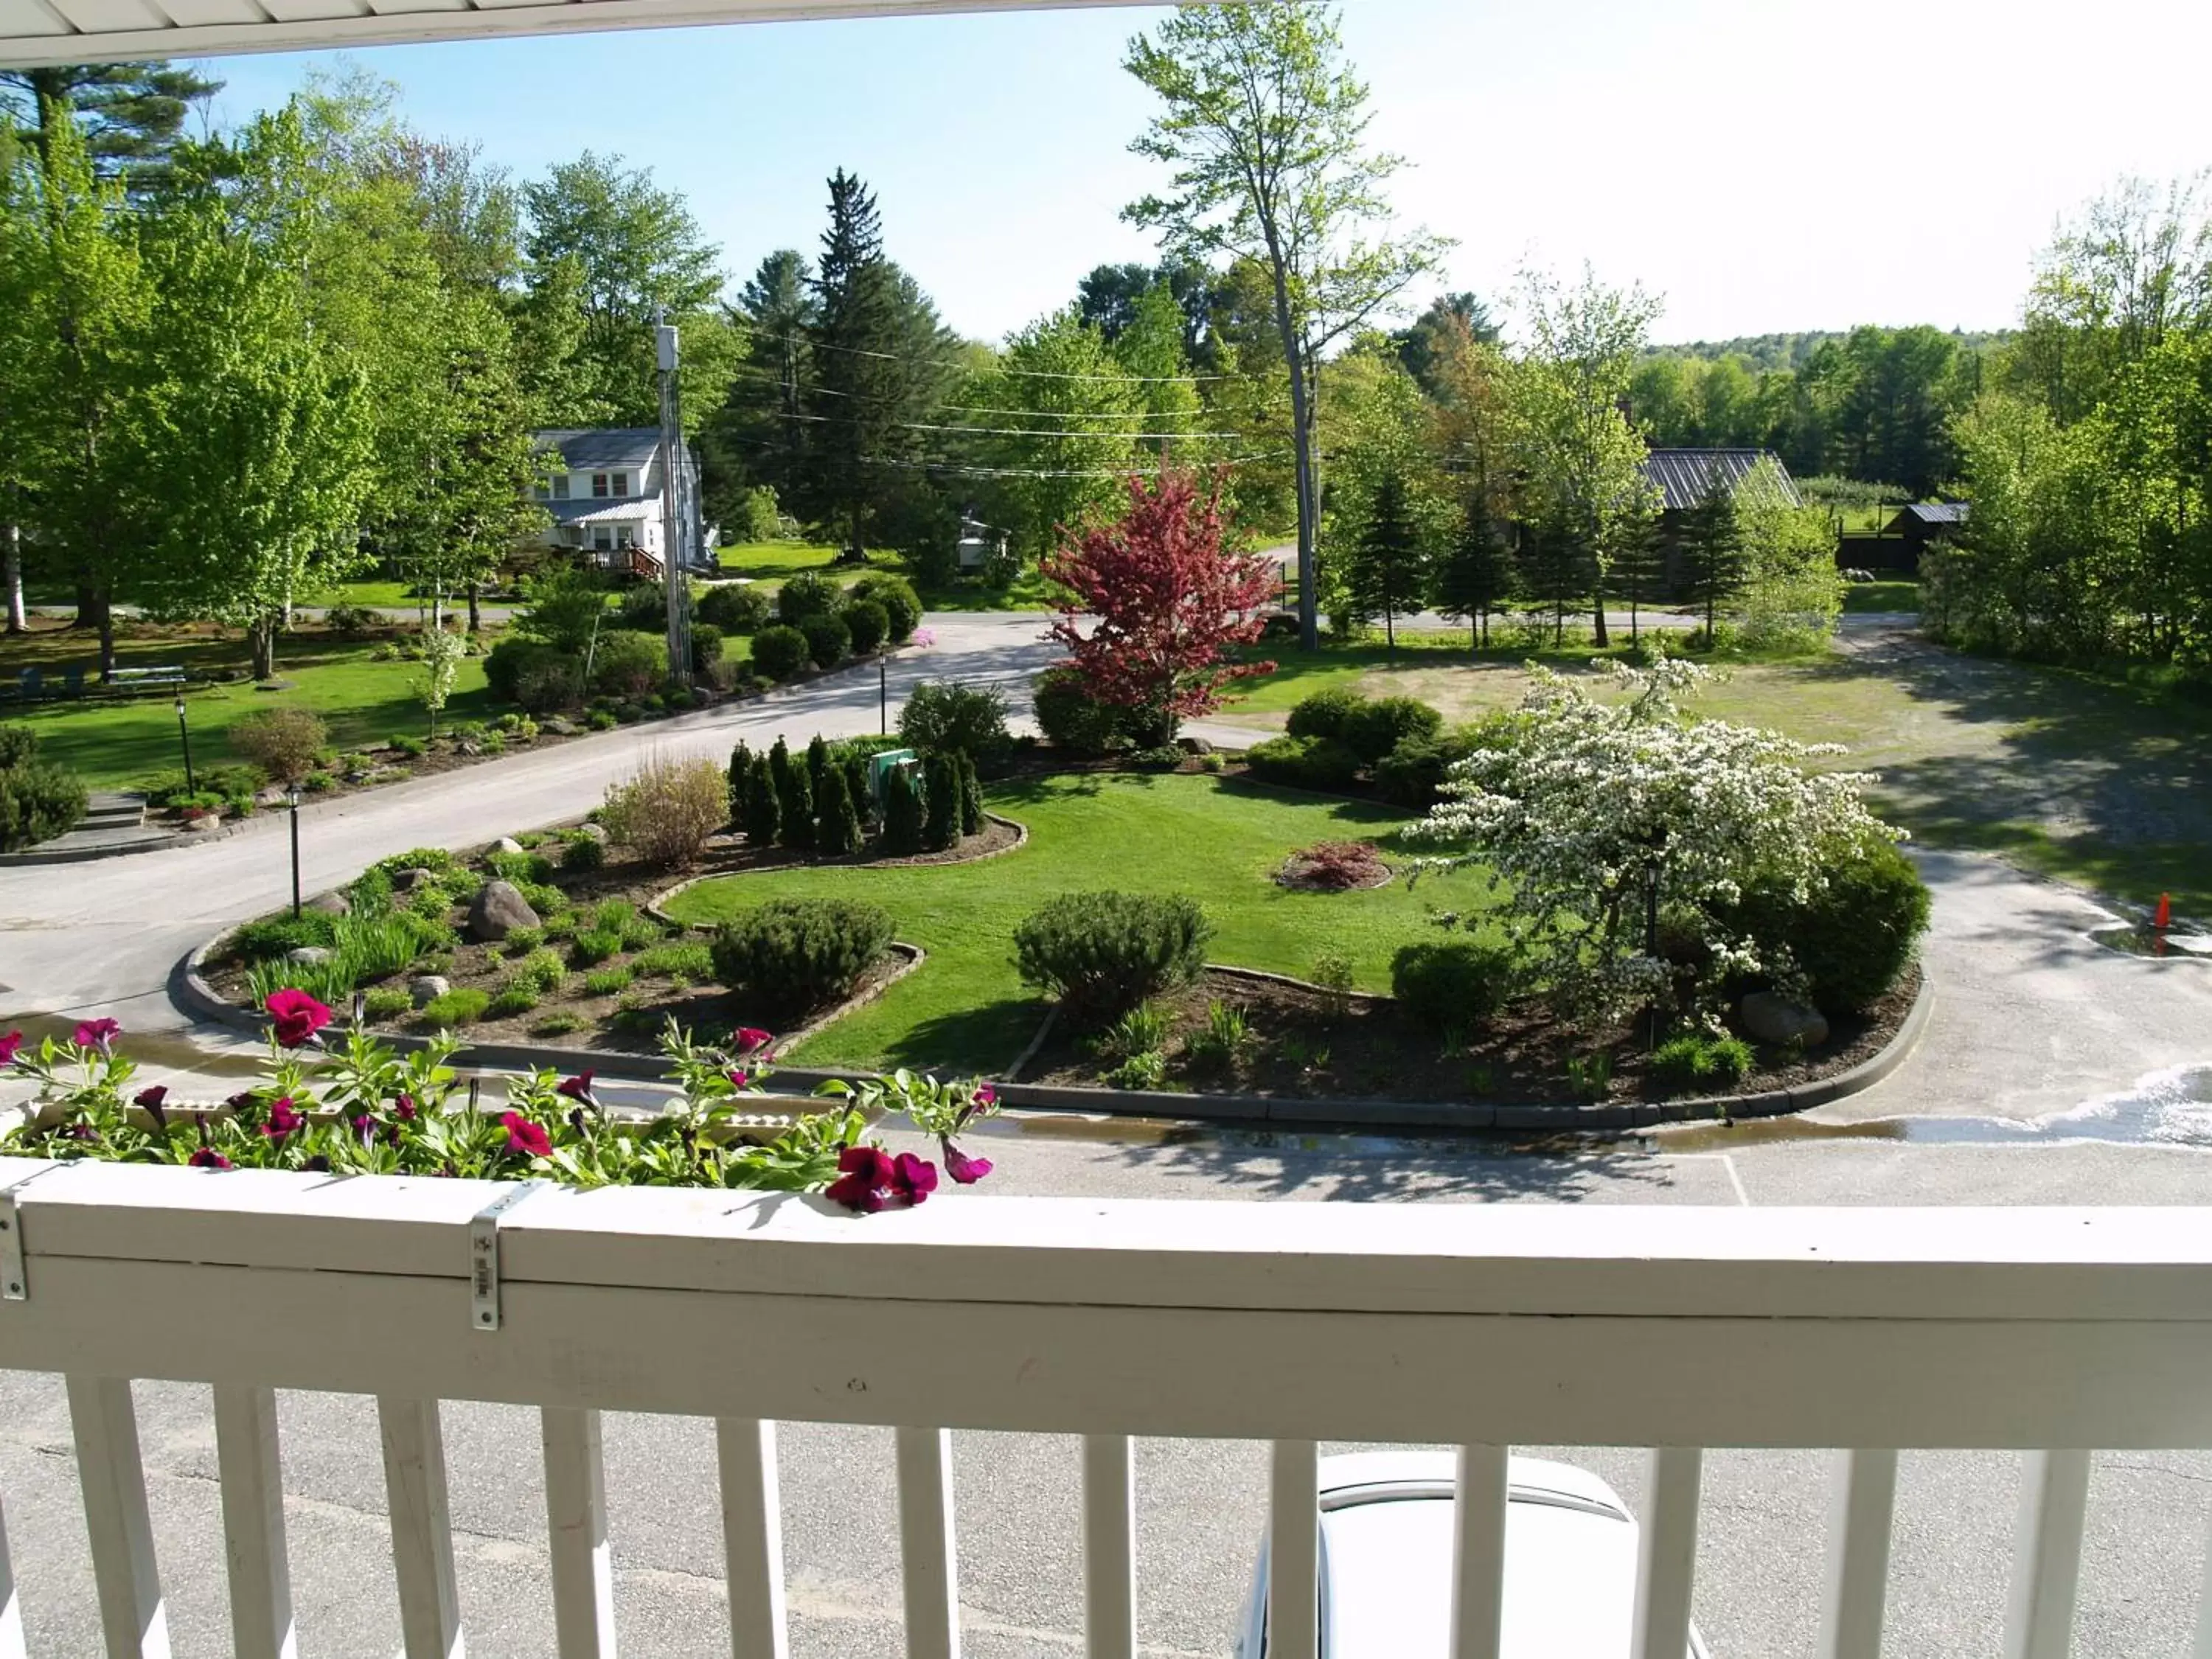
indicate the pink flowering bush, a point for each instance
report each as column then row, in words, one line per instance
column 357, row 1106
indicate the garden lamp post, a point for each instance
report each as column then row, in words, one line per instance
column 292, row 795
column 184, row 737
column 884, row 692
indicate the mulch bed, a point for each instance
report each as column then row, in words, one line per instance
column 1304, row 1044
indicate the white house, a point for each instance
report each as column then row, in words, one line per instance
column 604, row 487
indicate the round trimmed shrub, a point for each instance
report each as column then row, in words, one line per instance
column 626, row 664
column 1451, row 985
column 39, row 800
column 1070, row 718
column 867, row 624
column 734, row 608
column 808, row 594
column 945, row 717
column 705, row 647
column 282, row 742
column 1319, row 764
column 19, row 746
column 1373, row 729
column 1102, row 954
column 785, row 959
column 1691, row 1062
column 1413, row 773
column 779, row 652
column 1325, row 713
column 901, row 604
column 829, row 641
column 1855, row 938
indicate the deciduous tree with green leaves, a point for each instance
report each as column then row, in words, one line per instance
column 1265, row 128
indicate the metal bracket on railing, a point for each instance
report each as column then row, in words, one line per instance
column 483, row 1253
column 15, row 1286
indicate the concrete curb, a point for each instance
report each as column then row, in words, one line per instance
column 657, row 906
column 1371, row 1114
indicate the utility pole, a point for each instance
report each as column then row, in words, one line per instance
column 671, row 507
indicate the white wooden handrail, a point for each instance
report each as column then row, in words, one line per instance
column 1674, row 1329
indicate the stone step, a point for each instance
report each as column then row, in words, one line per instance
column 111, row 810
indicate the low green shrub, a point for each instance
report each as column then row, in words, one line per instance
column 558, row 1025
column 1853, row 939
column 384, row 1002
column 787, row 958
column 463, row 1006
column 867, row 625
column 1413, row 773
column 829, row 641
column 631, row 925
column 1325, row 713
column 1148, row 1070
column 689, row 958
column 1373, row 729
column 521, row 942
column 588, row 950
column 1103, row 953
column 1695, row 1061
column 779, row 652
column 705, row 647
column 1070, row 718
column 607, row 982
column 1323, row 764
column 806, row 595
column 734, row 608
column 902, row 605
column 400, row 743
column 541, row 971
column 519, row 867
column 285, row 743
column 272, row 936
column 510, row 1000
column 1452, row 986
column 945, row 717
column 601, row 719
column 583, row 853
column 629, row 664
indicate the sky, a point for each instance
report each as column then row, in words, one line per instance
column 1763, row 165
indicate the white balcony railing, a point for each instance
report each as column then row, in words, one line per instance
column 2052, row 1330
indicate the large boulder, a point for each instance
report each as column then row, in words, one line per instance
column 499, row 910
column 308, row 956
column 1776, row 1020
column 507, row 844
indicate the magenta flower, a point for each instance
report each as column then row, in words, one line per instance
column 285, row 1119
column 151, row 1098
column 8, row 1044
column 404, row 1109
column 866, row 1179
column 739, row 1079
column 924, row 637
column 916, row 1178
column 961, row 1168
column 578, row 1087
column 295, row 1017
column 524, row 1136
column 987, row 1095
column 206, row 1158
column 365, row 1127
column 751, row 1039
column 99, row 1033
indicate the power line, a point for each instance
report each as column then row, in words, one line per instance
column 1025, row 374
column 812, row 389
column 1012, row 431
column 962, row 469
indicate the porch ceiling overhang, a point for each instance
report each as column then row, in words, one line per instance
column 36, row 32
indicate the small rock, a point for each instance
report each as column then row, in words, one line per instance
column 507, row 844
column 207, row 824
column 1776, row 1019
column 1193, row 746
column 594, row 832
column 331, row 904
column 499, row 910
column 273, row 796
column 427, row 988
column 559, row 725
column 408, row 880
column 307, row 956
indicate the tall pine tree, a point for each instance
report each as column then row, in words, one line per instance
column 1639, row 567
column 1474, row 578
column 130, row 116
column 1713, row 565
column 1387, row 574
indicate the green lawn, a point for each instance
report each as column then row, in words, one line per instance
column 117, row 744
column 1221, row 841
column 777, row 561
column 1863, row 597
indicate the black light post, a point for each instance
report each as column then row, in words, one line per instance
column 184, row 737
column 292, row 795
column 884, row 691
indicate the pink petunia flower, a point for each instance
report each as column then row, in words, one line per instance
column 206, row 1158
column 986, row 1095
column 9, row 1045
column 285, row 1119
column 738, row 1079
column 524, row 1136
column 295, row 1017
column 916, row 1178
column 963, row 1169
column 404, row 1109
column 99, row 1033
column 578, row 1087
column 865, row 1180
column 751, row 1039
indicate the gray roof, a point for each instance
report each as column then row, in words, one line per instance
column 1933, row 513
column 592, row 449
column 617, row 510
column 1683, row 476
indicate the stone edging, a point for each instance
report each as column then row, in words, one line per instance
column 49, row 854
column 1363, row 1115
column 190, row 991
column 656, row 907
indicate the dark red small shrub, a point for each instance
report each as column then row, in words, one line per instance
column 1334, row 867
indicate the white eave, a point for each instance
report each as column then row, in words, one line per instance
column 36, row 32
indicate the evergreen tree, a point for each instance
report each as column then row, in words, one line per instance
column 763, row 807
column 741, row 780
column 840, row 821
column 1713, row 564
column 1475, row 577
column 1385, row 574
column 941, row 793
column 130, row 116
column 855, row 768
column 794, row 794
column 1554, row 571
column 1639, row 567
column 971, row 796
column 818, row 768
column 902, row 812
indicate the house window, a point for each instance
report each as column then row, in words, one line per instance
column 602, row 537
column 625, row 535
column 622, row 484
column 598, row 483
column 560, row 486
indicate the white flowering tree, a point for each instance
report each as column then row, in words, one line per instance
column 1594, row 814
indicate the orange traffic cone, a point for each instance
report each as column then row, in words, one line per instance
column 2162, row 918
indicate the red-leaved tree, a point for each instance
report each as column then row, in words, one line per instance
column 1170, row 601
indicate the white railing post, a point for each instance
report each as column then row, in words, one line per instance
column 1109, row 1547
column 576, row 1533
column 1862, row 1502
column 105, row 1426
column 925, row 1544
column 11, row 1609
column 2046, row 1554
column 752, row 1536
column 1479, row 1514
column 421, row 1528
column 1667, row 1564
column 251, row 1468
column 1294, row 1552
